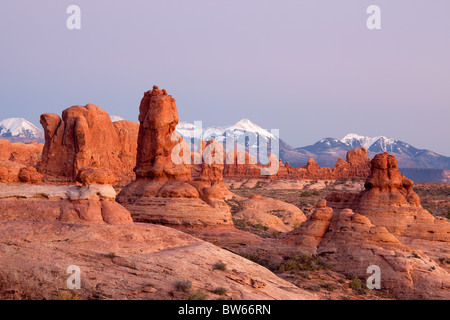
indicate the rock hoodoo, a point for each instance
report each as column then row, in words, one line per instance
column 164, row 191
column 390, row 201
column 310, row 234
column 158, row 117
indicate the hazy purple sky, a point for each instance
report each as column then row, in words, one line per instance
column 310, row 68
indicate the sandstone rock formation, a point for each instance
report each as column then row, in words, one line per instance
column 391, row 230
column 27, row 154
column 355, row 244
column 357, row 165
column 138, row 262
column 274, row 214
column 310, row 234
column 74, row 204
column 30, row 175
column 241, row 165
column 164, row 191
column 13, row 172
column 158, row 117
column 84, row 136
column 389, row 201
column 96, row 175
column 9, row 171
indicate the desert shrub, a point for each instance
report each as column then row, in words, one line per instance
column 276, row 233
column 304, row 263
column 183, row 285
column 221, row 291
column 261, row 227
column 361, row 291
column 278, row 213
column 240, row 223
column 309, row 193
column 291, row 265
column 112, row 255
column 235, row 205
column 385, row 294
column 219, row 265
column 199, row 295
column 263, row 262
column 296, row 225
column 65, row 295
column 355, row 284
column 329, row 286
column 259, row 185
column 313, row 288
column 306, row 194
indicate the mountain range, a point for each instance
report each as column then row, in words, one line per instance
column 20, row 130
column 328, row 150
column 325, row 151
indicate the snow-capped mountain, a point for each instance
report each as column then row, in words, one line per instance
column 245, row 133
column 116, row 118
column 327, row 150
column 241, row 127
column 356, row 141
column 20, row 129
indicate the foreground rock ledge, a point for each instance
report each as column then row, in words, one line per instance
column 126, row 262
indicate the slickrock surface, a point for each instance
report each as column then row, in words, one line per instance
column 355, row 244
column 164, row 191
column 274, row 214
column 93, row 203
column 84, row 136
column 126, row 262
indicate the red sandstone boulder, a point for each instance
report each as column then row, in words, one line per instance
column 275, row 214
column 9, row 171
column 28, row 154
column 310, row 234
column 96, row 175
column 83, row 136
column 30, row 175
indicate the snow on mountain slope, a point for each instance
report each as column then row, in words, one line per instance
column 116, row 118
column 20, row 128
column 355, row 141
column 327, row 150
column 241, row 127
